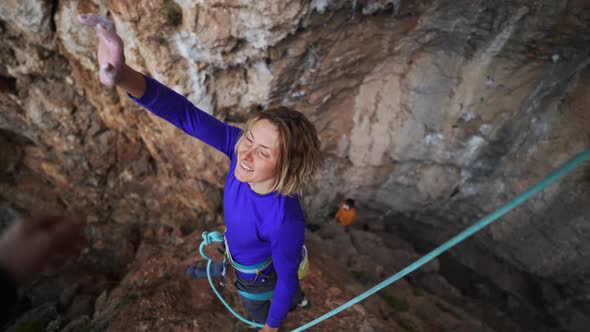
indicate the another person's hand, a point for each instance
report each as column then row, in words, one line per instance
column 37, row 245
column 110, row 48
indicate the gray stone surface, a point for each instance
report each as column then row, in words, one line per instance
column 440, row 110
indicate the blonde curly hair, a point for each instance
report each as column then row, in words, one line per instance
column 299, row 148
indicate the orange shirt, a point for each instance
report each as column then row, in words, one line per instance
column 346, row 216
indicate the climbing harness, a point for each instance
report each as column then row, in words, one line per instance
column 208, row 238
column 256, row 269
column 485, row 221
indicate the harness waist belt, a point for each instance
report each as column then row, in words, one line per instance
column 248, row 269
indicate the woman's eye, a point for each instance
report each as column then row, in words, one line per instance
column 249, row 139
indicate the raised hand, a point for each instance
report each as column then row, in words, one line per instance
column 110, row 48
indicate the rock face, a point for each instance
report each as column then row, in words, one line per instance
column 438, row 110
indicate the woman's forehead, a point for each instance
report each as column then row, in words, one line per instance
column 265, row 133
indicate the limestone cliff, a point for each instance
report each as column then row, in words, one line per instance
column 431, row 114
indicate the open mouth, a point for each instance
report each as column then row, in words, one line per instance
column 245, row 167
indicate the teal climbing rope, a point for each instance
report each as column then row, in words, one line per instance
column 208, row 238
column 485, row 221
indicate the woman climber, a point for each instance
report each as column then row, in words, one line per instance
column 271, row 160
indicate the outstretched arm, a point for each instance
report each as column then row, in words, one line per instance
column 157, row 98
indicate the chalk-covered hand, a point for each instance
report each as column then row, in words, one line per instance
column 110, row 48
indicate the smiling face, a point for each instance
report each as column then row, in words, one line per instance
column 258, row 153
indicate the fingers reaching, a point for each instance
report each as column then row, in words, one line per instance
column 111, row 57
column 108, row 35
column 96, row 20
column 113, row 42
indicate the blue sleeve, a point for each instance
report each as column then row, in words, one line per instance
column 176, row 109
column 286, row 247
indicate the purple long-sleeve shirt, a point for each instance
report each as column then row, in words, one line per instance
column 257, row 226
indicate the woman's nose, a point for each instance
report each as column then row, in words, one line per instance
column 248, row 153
